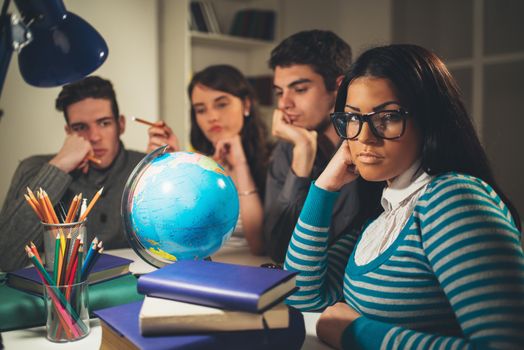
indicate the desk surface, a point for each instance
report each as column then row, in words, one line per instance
column 34, row 338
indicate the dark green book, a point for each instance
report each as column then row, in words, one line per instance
column 20, row 309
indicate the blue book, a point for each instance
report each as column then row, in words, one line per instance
column 220, row 285
column 120, row 330
column 106, row 267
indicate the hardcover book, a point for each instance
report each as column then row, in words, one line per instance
column 162, row 316
column 120, row 330
column 19, row 309
column 106, row 267
column 220, row 285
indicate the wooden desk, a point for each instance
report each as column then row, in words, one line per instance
column 35, row 338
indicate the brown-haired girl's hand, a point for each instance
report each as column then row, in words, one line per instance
column 229, row 153
column 161, row 134
column 333, row 321
column 340, row 170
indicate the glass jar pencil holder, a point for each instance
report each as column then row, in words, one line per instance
column 57, row 235
column 67, row 311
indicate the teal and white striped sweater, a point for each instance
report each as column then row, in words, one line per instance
column 453, row 279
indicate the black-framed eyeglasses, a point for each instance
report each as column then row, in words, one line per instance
column 384, row 124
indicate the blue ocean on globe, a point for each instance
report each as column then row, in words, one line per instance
column 181, row 206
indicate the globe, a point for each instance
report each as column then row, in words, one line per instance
column 178, row 206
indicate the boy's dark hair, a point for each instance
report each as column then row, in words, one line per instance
column 323, row 50
column 94, row 87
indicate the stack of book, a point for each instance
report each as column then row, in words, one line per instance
column 204, row 304
column 22, row 306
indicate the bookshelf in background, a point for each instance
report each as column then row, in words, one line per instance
column 249, row 27
column 254, row 23
column 226, row 41
column 184, row 50
column 263, row 86
column 203, row 17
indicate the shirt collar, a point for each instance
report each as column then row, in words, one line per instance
column 404, row 186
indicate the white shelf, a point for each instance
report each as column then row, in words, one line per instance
column 224, row 40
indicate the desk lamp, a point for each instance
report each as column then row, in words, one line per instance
column 54, row 46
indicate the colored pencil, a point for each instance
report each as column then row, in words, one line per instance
column 47, row 280
column 35, row 251
column 31, row 194
column 72, row 259
column 143, row 121
column 43, row 206
column 57, row 257
column 33, row 206
column 89, row 255
column 93, row 159
column 78, row 268
column 34, row 200
column 77, row 205
column 50, row 207
column 70, row 279
column 60, row 263
column 65, row 262
column 61, row 312
column 91, row 204
column 70, row 211
column 96, row 256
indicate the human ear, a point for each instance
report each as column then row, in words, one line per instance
column 121, row 124
column 247, row 107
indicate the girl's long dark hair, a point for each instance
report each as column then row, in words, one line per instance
column 254, row 133
column 428, row 91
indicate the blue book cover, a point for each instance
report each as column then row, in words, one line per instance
column 121, row 330
column 226, row 286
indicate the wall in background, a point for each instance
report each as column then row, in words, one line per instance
column 481, row 41
column 32, row 126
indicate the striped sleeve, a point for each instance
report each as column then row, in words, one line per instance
column 321, row 269
column 474, row 250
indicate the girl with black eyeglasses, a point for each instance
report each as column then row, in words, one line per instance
column 434, row 260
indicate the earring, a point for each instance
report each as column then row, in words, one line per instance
column 246, row 114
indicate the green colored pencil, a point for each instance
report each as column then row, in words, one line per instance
column 57, row 257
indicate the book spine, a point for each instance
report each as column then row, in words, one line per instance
column 196, row 294
column 199, row 17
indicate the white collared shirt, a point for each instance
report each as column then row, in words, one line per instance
column 398, row 201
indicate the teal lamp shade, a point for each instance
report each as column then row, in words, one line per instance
column 64, row 47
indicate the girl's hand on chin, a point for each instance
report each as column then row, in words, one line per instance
column 340, row 170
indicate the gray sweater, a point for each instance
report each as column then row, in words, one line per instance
column 19, row 224
column 285, row 196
